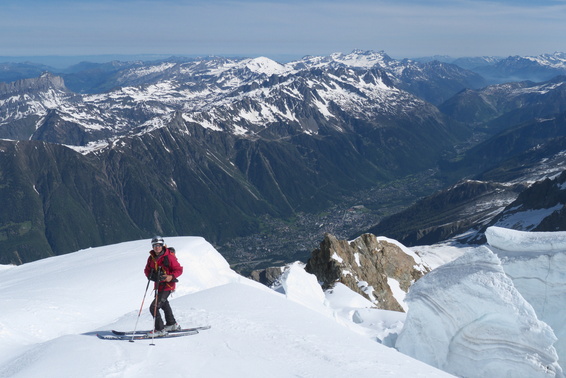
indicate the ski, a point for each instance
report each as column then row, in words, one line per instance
column 123, row 333
column 145, row 336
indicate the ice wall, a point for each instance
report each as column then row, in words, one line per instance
column 467, row 318
column 536, row 262
column 505, row 239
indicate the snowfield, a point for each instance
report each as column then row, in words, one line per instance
column 53, row 308
column 490, row 311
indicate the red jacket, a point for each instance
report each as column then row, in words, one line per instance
column 170, row 265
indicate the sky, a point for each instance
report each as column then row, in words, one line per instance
column 282, row 28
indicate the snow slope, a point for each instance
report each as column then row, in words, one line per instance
column 52, row 309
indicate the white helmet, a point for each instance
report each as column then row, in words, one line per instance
column 157, row 240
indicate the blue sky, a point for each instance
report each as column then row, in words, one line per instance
column 402, row 28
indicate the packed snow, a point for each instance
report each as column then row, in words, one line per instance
column 519, row 241
column 53, row 308
column 489, row 311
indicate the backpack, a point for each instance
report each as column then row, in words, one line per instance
column 166, row 261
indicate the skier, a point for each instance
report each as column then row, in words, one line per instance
column 163, row 268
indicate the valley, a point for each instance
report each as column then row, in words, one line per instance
column 262, row 158
column 285, row 241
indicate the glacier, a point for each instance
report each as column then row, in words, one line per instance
column 536, row 262
column 489, row 312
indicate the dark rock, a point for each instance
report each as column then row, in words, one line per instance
column 267, row 276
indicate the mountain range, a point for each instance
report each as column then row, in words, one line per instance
column 504, row 173
column 233, row 149
column 497, row 70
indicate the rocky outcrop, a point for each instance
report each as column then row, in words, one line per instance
column 380, row 269
column 267, row 276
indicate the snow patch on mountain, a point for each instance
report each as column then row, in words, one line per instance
column 364, row 59
column 21, row 106
column 148, row 70
column 518, row 219
column 556, row 60
column 199, row 119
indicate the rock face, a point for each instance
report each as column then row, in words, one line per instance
column 267, row 276
column 380, row 269
column 44, row 82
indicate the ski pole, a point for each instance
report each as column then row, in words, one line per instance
column 141, row 307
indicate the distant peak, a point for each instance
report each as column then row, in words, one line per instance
column 362, row 58
column 45, row 81
column 264, row 65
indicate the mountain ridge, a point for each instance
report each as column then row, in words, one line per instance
column 345, row 123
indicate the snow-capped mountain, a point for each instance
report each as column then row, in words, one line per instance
column 240, row 96
column 251, row 139
column 524, row 142
column 26, row 103
column 530, row 197
column 519, row 68
column 220, row 133
column 496, row 69
column 556, row 60
column 504, row 105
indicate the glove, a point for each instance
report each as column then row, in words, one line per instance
column 156, row 275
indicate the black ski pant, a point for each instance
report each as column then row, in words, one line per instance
column 163, row 304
